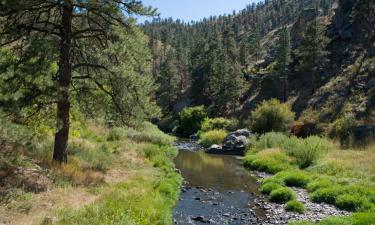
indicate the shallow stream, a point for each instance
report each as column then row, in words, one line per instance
column 217, row 190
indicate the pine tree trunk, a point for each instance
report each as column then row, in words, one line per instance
column 60, row 153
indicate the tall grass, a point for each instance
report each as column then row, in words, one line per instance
column 212, row 137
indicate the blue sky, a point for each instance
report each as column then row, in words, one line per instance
column 189, row 10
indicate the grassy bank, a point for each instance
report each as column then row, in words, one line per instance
column 114, row 176
column 344, row 178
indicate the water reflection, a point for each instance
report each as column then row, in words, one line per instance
column 220, row 172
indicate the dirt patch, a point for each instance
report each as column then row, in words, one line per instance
column 44, row 204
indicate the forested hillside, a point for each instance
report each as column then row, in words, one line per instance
column 316, row 55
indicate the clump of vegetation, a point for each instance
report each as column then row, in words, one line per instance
column 270, row 160
column 342, row 129
column 282, row 195
column 268, row 187
column 116, row 134
column 190, row 120
column 326, row 195
column 148, row 132
column 352, row 202
column 218, row 124
column 309, row 150
column 271, row 116
column 212, row 137
column 267, row 141
column 367, row 218
column 295, row 206
column 296, row 179
column 305, row 152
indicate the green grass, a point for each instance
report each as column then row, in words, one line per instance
column 149, row 199
column 355, row 219
column 341, row 178
column 282, row 195
column 270, row 160
column 295, row 206
column 149, row 133
column 268, row 187
column 212, row 137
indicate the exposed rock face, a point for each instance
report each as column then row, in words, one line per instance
column 234, row 144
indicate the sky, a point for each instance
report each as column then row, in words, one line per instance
column 188, row 10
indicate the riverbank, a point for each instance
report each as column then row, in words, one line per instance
column 337, row 183
column 136, row 182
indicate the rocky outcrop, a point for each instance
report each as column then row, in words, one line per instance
column 234, row 144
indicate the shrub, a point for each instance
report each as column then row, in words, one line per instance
column 190, row 120
column 311, row 149
column 212, row 137
column 218, row 124
column 342, row 129
column 116, row 134
column 268, row 140
column 295, row 206
column 296, row 179
column 326, row 195
column 318, row 184
column 270, row 160
column 282, row 195
column 148, row 132
column 271, row 116
column 268, row 187
column 352, row 202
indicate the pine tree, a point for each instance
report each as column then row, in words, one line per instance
column 78, row 28
column 312, row 51
column 168, row 81
column 283, row 58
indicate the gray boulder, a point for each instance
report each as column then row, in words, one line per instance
column 235, row 143
column 215, row 149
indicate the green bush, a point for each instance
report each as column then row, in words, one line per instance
column 282, row 195
column 212, row 137
column 148, row 132
column 270, row 160
column 116, row 134
column 309, row 150
column 268, row 140
column 296, row 179
column 318, row 184
column 97, row 157
column 268, row 187
column 352, row 202
column 342, row 129
column 326, row 195
column 218, row 124
column 295, row 206
column 271, row 115
column 190, row 120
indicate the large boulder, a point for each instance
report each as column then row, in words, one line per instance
column 234, row 144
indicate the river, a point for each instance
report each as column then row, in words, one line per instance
column 217, row 190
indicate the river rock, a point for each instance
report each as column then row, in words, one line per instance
column 237, row 141
column 214, row 149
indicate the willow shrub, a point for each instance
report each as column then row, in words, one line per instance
column 270, row 116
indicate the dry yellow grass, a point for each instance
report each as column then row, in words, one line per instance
column 354, row 163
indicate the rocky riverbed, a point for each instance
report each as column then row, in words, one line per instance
column 201, row 205
column 276, row 214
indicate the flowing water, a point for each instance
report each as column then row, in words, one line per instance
column 219, row 189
